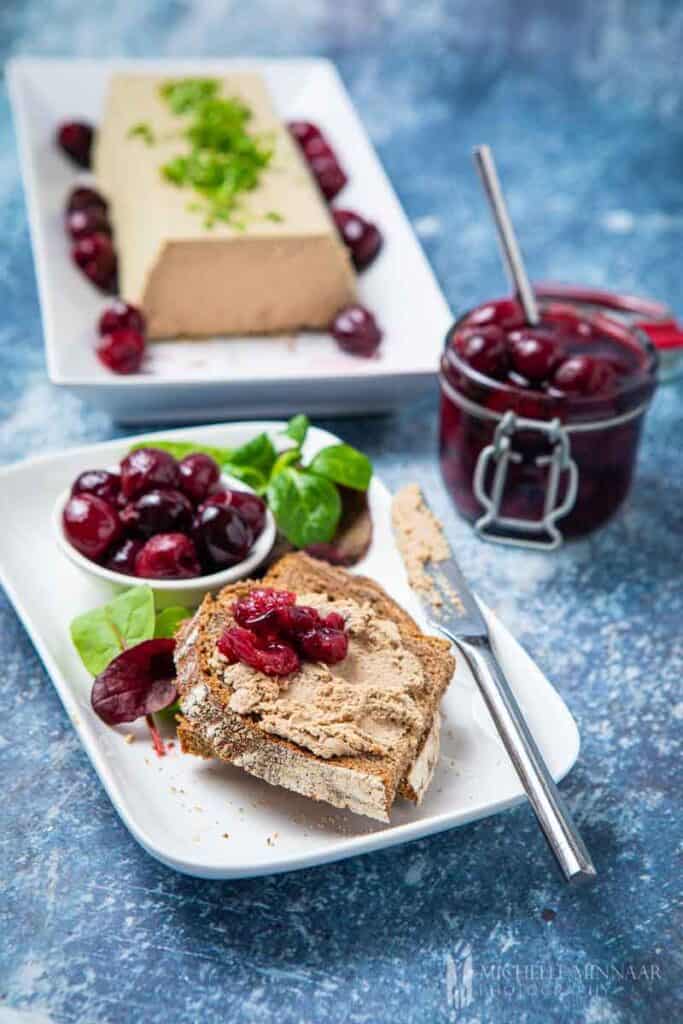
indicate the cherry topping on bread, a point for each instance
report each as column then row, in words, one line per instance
column 269, row 618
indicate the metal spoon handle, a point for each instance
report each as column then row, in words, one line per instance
column 553, row 815
column 483, row 158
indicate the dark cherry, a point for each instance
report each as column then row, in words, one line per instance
column 298, row 619
column 122, row 556
column 355, row 330
column 585, row 375
column 482, row 348
column 222, row 536
column 81, row 223
column 168, row 556
column 324, row 644
column 505, row 313
column 250, row 507
column 95, row 256
column 122, row 350
column 317, row 146
column 75, row 139
column 158, row 511
column 328, row 174
column 147, row 469
column 83, row 198
column 100, row 483
column 198, row 474
column 121, row 315
column 534, row 353
column 91, row 524
column 363, row 239
column 261, row 605
column 335, row 621
column 304, row 131
column 274, row 658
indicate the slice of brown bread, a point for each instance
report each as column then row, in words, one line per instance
column 366, row 784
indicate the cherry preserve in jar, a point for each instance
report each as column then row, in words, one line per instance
column 540, row 425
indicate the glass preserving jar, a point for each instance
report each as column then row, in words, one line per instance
column 539, row 426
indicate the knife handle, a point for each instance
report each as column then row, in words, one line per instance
column 552, row 813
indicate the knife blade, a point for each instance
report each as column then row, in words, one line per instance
column 460, row 619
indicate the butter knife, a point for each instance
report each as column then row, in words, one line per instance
column 464, row 625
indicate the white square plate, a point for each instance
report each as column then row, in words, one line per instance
column 210, row 819
column 226, row 378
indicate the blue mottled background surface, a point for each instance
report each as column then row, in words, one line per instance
column 583, row 103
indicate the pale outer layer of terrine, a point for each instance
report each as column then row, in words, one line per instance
column 191, row 280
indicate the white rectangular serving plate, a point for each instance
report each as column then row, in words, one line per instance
column 226, row 378
column 210, row 819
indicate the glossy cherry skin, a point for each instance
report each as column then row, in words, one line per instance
column 99, row 482
column 83, row 198
column 584, row 375
column 324, row 644
column 75, row 138
column 146, row 469
column 482, row 348
column 122, row 556
column 328, row 174
column 355, row 330
column 158, row 511
column 81, row 223
column 324, row 166
column 534, row 353
column 90, row 524
column 251, row 508
column 198, row 474
column 362, row 238
column 304, row 131
column 168, row 556
column 221, row 536
column 95, row 256
column 121, row 315
column 122, row 350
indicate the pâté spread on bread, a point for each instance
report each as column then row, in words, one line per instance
column 354, row 730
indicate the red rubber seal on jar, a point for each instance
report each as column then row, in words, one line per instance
column 652, row 317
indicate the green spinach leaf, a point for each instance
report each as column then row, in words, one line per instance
column 100, row 635
column 307, row 507
column 344, row 465
column 297, row 428
column 168, row 620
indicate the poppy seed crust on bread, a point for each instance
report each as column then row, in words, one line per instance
column 366, row 783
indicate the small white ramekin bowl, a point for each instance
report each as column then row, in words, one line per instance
column 187, row 593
